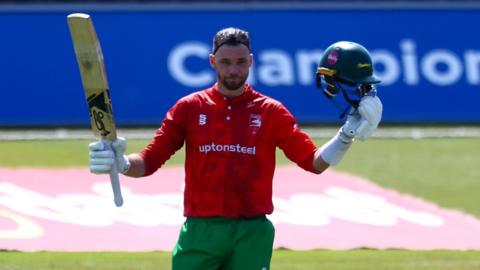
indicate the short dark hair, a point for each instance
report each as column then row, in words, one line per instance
column 230, row 36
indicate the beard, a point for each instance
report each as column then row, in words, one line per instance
column 233, row 82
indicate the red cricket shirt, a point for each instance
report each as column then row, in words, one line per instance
column 230, row 150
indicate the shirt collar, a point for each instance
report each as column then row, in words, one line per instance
column 245, row 96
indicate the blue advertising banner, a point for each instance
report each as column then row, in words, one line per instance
column 428, row 60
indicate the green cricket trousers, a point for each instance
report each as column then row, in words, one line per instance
column 218, row 243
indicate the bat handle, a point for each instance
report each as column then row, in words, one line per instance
column 114, row 180
column 117, row 192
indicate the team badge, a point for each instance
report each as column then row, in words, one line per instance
column 255, row 122
column 332, row 58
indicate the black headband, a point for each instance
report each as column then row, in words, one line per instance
column 230, row 36
column 230, row 42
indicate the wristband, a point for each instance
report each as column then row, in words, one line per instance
column 126, row 164
column 334, row 150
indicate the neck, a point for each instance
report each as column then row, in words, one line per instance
column 230, row 93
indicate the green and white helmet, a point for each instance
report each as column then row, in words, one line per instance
column 346, row 67
column 348, row 62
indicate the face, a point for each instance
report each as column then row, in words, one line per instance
column 232, row 64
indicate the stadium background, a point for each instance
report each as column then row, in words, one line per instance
column 157, row 52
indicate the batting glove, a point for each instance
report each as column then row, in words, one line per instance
column 370, row 110
column 106, row 157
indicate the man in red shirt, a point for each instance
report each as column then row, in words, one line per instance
column 231, row 133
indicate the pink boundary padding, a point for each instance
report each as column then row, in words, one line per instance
column 73, row 210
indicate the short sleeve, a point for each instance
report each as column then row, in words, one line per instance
column 168, row 138
column 296, row 144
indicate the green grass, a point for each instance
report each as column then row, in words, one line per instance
column 282, row 260
column 444, row 171
column 50, row 154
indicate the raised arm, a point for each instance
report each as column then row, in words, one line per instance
column 361, row 123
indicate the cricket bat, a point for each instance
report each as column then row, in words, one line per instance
column 94, row 79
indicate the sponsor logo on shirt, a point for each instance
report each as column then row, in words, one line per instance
column 202, row 119
column 236, row 148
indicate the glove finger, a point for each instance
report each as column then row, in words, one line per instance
column 364, row 113
column 367, row 133
column 379, row 108
column 377, row 105
column 96, row 146
column 372, row 115
column 371, row 111
column 99, row 169
column 119, row 145
column 102, row 154
column 365, row 109
column 362, row 127
column 102, row 161
column 119, row 141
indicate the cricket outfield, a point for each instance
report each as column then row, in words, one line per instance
column 440, row 170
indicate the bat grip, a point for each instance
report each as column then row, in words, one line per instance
column 117, row 192
column 114, row 179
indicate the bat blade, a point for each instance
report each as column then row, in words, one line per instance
column 94, row 79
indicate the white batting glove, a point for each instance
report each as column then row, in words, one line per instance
column 370, row 110
column 106, row 157
column 362, row 122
